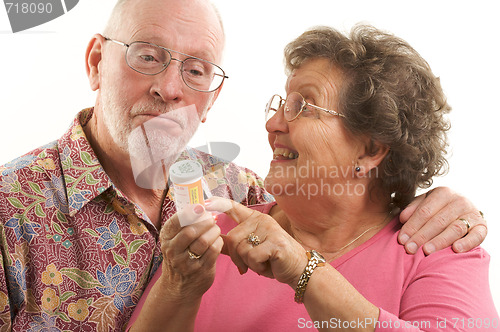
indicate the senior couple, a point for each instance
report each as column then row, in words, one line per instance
column 81, row 239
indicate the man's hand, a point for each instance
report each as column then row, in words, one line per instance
column 433, row 220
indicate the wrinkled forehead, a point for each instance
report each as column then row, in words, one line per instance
column 188, row 26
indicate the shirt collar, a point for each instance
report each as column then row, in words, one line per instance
column 84, row 176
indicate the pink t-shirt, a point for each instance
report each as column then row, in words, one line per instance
column 441, row 292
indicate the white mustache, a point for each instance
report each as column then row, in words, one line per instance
column 178, row 115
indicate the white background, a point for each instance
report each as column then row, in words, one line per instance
column 43, row 80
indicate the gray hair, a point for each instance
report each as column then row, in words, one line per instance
column 115, row 19
column 389, row 93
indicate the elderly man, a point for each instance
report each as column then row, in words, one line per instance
column 81, row 216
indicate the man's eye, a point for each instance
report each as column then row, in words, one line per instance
column 196, row 68
column 148, row 58
column 195, row 72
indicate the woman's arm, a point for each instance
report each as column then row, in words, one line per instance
column 445, row 285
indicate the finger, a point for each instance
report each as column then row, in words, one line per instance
column 201, row 244
column 432, row 216
column 473, row 239
column 234, row 210
column 209, row 257
column 423, row 210
column 236, row 248
column 192, row 214
column 179, row 244
column 258, row 259
column 188, row 215
column 454, row 233
column 439, row 233
column 225, row 249
column 410, row 208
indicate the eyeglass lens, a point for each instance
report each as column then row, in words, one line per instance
column 198, row 74
column 273, row 105
column 293, row 105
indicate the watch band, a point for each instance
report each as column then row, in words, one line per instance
column 315, row 259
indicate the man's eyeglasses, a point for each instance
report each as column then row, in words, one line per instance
column 150, row 59
column 295, row 105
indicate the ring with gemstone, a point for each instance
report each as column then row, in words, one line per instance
column 253, row 239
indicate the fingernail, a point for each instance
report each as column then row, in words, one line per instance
column 208, row 203
column 459, row 247
column 412, row 247
column 403, row 238
column 429, row 248
column 198, row 209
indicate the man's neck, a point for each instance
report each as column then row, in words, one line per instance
column 116, row 163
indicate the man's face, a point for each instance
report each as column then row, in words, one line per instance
column 130, row 99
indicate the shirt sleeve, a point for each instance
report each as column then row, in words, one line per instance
column 447, row 292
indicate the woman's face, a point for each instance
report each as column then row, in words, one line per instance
column 314, row 155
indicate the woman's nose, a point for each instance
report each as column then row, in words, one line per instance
column 277, row 122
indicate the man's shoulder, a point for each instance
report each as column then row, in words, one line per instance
column 43, row 157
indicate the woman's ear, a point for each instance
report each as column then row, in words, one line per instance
column 93, row 57
column 374, row 153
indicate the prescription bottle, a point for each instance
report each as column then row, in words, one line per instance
column 186, row 179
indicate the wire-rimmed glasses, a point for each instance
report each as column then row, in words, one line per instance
column 151, row 59
column 295, row 105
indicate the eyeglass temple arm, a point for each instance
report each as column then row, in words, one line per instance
column 325, row 110
column 116, row 42
column 225, row 76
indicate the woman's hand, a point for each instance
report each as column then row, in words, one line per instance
column 189, row 253
column 273, row 253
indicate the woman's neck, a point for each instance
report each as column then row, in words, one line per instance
column 332, row 226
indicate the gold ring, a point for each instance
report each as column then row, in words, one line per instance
column 466, row 223
column 482, row 214
column 253, row 239
column 192, row 255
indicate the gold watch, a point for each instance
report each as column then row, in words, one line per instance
column 315, row 259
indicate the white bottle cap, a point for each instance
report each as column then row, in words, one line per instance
column 185, row 171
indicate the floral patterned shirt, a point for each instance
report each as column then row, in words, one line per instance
column 76, row 253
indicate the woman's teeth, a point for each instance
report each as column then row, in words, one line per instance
column 282, row 152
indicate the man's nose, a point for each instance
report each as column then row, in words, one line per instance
column 169, row 85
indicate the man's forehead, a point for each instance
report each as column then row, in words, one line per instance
column 187, row 27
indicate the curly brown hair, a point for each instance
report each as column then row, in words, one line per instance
column 390, row 94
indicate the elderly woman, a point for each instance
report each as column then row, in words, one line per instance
column 361, row 128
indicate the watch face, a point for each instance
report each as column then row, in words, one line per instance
column 317, row 255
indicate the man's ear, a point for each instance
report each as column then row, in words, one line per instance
column 211, row 103
column 374, row 153
column 93, row 57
